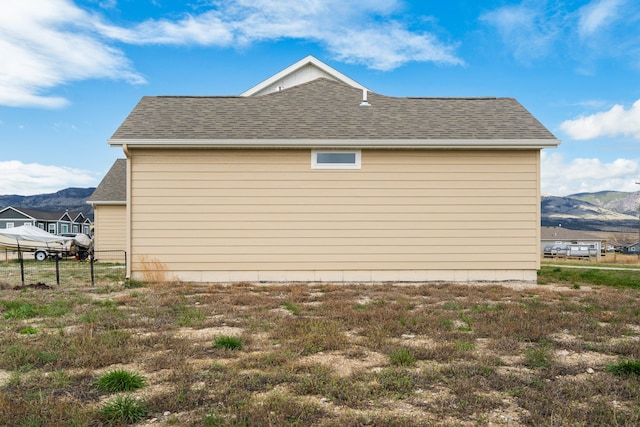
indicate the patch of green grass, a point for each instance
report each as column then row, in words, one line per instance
column 123, row 410
column 293, row 309
column 402, row 357
column 27, row 310
column 628, row 367
column 120, row 380
column 29, row 330
column 467, row 323
column 581, row 276
column 18, row 310
column 228, row 342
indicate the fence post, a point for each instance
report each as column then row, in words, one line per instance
column 57, row 270
column 21, row 258
column 93, row 282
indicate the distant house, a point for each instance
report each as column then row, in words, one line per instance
column 52, row 222
column 555, row 238
column 109, row 209
column 309, row 176
column 633, row 249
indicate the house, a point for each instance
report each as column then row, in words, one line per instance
column 633, row 249
column 109, row 209
column 52, row 222
column 559, row 241
column 309, row 176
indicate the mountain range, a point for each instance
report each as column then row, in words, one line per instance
column 600, row 211
column 69, row 199
column 612, row 211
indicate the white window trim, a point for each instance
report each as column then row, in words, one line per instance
column 316, row 165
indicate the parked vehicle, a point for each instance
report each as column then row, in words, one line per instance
column 557, row 250
column 46, row 245
column 79, row 247
column 579, row 250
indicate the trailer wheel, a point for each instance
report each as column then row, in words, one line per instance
column 40, row 255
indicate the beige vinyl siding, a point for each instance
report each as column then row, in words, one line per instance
column 110, row 227
column 197, row 212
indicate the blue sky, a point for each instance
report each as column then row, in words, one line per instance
column 70, row 71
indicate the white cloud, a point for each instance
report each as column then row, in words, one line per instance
column 561, row 178
column 526, row 29
column 27, row 179
column 47, row 44
column 602, row 29
column 597, row 15
column 361, row 32
column 615, row 122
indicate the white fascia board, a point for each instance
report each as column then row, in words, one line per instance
column 340, row 143
column 295, row 67
column 105, row 202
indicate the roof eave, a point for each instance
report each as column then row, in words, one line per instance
column 106, row 202
column 340, row 143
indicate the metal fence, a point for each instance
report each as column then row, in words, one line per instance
column 20, row 268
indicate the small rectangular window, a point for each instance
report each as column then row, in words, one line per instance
column 335, row 159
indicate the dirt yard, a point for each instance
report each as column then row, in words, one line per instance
column 328, row 355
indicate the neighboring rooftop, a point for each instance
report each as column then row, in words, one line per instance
column 559, row 233
column 43, row 215
column 113, row 187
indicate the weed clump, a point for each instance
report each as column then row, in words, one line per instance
column 402, row 357
column 628, row 367
column 120, row 380
column 228, row 343
column 123, row 409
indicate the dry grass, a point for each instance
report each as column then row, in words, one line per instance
column 611, row 259
column 324, row 355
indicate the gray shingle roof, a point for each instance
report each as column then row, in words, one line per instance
column 560, row 233
column 113, row 187
column 326, row 110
